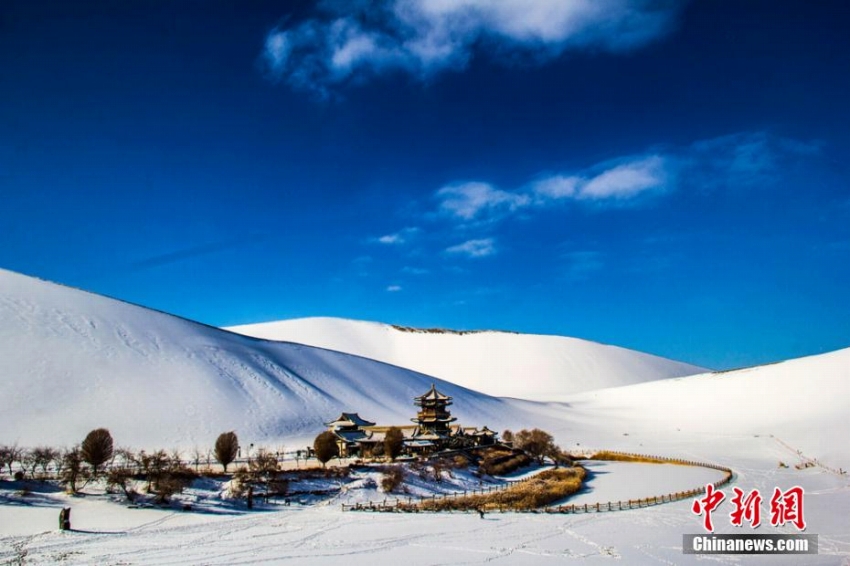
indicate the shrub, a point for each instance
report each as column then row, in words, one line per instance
column 153, row 466
column 167, row 475
column 168, row 485
column 501, row 461
column 121, row 477
column 226, row 448
column 325, row 447
column 263, row 471
column 393, row 442
column 97, row 449
column 392, row 478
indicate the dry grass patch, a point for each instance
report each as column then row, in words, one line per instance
column 618, row 457
column 545, row 488
column 499, row 461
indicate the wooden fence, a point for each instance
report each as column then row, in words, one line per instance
column 409, row 504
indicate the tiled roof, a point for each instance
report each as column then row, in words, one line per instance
column 433, row 395
column 350, row 419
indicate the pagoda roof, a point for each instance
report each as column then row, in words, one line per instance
column 352, row 435
column 433, row 395
column 484, row 432
column 434, row 419
column 349, row 419
column 425, row 436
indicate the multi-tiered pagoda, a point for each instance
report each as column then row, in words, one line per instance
column 433, row 417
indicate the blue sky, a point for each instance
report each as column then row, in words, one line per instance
column 665, row 176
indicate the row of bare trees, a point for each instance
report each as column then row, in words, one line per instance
column 95, row 450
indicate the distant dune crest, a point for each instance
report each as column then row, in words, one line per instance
column 506, row 364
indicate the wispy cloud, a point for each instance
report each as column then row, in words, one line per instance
column 627, row 180
column 740, row 160
column 475, row 248
column 746, row 159
column 474, row 200
column 394, row 288
column 357, row 40
column 398, row 238
column 623, row 180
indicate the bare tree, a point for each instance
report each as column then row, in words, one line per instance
column 42, row 456
column 393, row 442
column 226, row 448
column 536, row 443
column 97, row 449
column 9, row 455
column 325, row 447
column 72, row 468
column 197, row 457
column 28, row 463
column 263, row 471
column 122, row 473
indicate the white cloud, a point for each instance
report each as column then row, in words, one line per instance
column 737, row 160
column 626, row 181
column 471, row 200
column 555, row 187
column 475, row 248
column 424, row 37
column 394, row 288
column 276, row 52
column 391, row 239
column 398, row 238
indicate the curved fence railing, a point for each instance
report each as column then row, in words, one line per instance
column 408, row 504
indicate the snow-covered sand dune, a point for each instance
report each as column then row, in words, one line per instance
column 799, row 404
column 526, row 366
column 71, row 361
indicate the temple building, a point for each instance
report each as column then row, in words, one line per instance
column 351, row 436
column 434, row 431
column 433, row 416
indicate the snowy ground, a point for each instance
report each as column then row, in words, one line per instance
column 107, row 532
